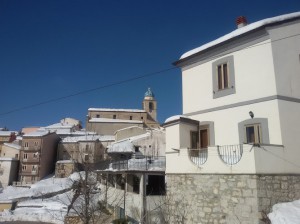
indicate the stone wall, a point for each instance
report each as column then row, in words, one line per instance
column 221, row 198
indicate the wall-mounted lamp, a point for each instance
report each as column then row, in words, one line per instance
column 251, row 114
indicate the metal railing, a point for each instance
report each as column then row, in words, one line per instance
column 230, row 154
column 198, row 156
column 157, row 163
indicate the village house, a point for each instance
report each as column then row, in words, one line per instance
column 7, row 136
column 9, row 163
column 135, row 178
column 106, row 121
column 237, row 141
column 76, row 151
column 37, row 156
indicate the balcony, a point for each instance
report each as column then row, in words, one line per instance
column 32, row 148
column 238, row 158
column 141, row 163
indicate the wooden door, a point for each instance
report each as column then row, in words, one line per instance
column 203, row 138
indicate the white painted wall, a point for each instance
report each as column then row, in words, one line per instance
column 254, row 78
column 290, row 127
column 226, row 121
column 286, row 52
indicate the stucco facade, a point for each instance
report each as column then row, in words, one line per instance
column 37, row 156
column 241, row 104
column 106, row 121
column 8, row 171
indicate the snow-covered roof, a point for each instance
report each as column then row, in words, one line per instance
column 7, row 159
column 6, row 133
column 124, row 146
column 108, row 120
column 175, row 117
column 116, row 110
column 83, row 132
column 59, row 125
column 38, row 133
column 87, row 138
column 12, row 145
column 241, row 31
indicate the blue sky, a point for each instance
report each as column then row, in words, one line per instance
column 55, row 48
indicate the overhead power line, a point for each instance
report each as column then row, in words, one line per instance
column 128, row 80
column 87, row 91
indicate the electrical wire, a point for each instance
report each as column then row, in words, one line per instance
column 88, row 91
column 126, row 80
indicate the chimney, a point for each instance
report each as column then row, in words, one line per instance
column 241, row 21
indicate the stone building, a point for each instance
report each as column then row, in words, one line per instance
column 106, row 121
column 237, row 141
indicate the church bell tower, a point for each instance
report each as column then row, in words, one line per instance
column 150, row 104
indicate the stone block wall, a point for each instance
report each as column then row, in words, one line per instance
column 223, row 198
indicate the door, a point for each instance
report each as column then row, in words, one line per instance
column 203, row 138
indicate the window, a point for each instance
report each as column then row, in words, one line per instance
column 194, row 139
column 130, row 118
column 86, row 157
column 254, row 131
column 36, row 143
column 114, row 116
column 24, row 167
column 26, row 144
column 150, row 107
column 98, row 115
column 17, row 156
column 25, row 156
column 34, row 168
column 223, row 77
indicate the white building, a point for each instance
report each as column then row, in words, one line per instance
column 135, row 178
column 238, row 138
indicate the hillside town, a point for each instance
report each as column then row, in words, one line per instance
column 232, row 156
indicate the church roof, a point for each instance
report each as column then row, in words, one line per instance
column 149, row 93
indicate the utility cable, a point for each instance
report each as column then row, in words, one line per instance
column 129, row 80
column 88, row 91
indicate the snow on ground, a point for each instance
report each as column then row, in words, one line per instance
column 285, row 213
column 42, row 187
column 50, row 210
